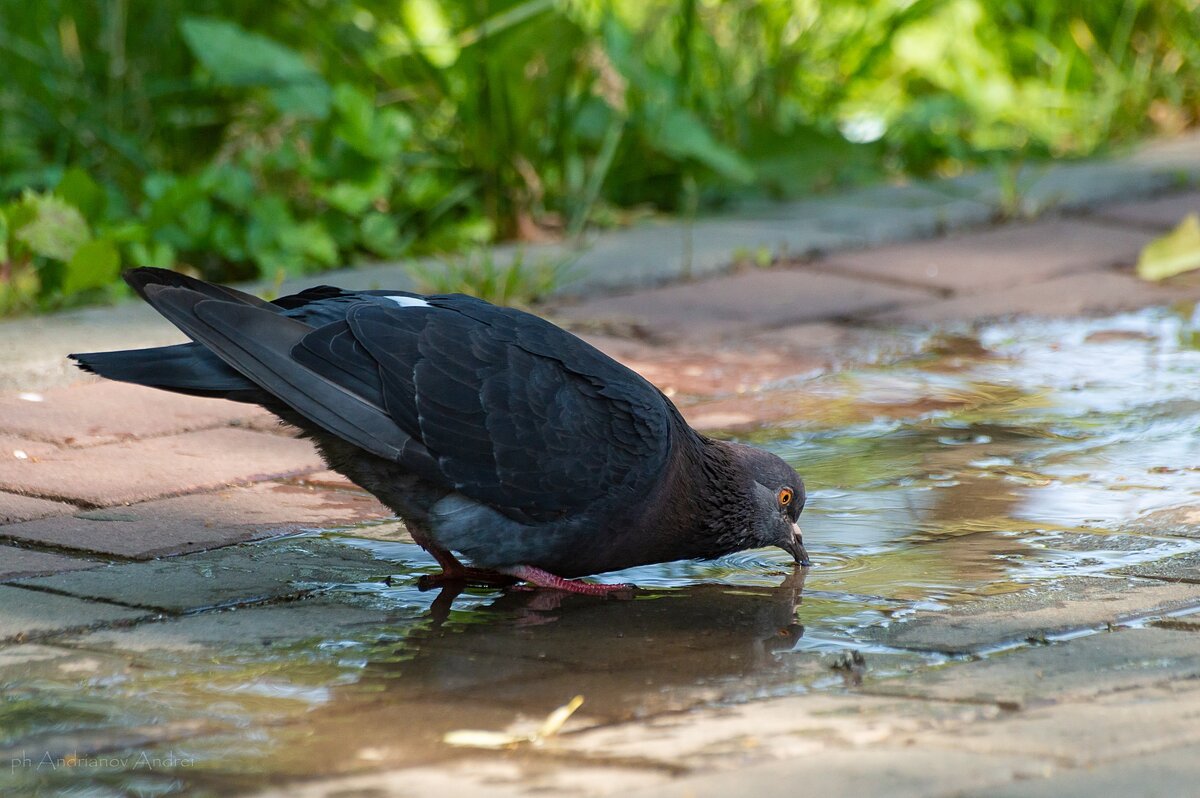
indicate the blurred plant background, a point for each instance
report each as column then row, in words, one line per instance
column 240, row 140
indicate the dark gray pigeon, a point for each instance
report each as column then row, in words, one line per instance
column 490, row 431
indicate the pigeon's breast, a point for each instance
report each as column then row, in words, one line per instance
column 572, row 546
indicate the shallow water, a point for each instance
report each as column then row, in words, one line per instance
column 991, row 462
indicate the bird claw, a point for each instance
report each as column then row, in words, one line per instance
column 537, row 578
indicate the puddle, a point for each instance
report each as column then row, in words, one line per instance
column 990, row 463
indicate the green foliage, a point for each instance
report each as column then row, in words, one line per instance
column 1174, row 253
column 236, row 58
column 48, row 250
column 242, row 140
column 517, row 283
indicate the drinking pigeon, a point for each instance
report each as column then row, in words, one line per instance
column 490, row 431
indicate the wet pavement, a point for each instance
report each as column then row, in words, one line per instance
column 1003, row 518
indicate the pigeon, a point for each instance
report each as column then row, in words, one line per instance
column 488, row 430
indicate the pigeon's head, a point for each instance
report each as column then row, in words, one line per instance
column 777, row 499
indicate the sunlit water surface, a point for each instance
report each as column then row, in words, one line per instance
column 1028, row 451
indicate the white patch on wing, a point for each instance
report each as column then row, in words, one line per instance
column 409, row 301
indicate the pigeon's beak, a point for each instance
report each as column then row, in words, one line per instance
column 795, row 547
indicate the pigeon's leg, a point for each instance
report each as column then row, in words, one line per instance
column 452, row 569
column 540, row 578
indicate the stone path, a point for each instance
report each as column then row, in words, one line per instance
column 119, row 505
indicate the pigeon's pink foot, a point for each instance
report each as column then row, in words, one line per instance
column 539, row 578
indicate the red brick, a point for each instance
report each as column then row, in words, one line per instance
column 14, row 508
column 1162, row 212
column 327, row 479
column 105, row 412
column 1072, row 295
column 121, row 473
column 1004, row 256
column 15, row 562
column 200, row 520
column 741, row 303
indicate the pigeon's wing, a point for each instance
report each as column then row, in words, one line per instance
column 497, row 404
column 517, row 413
column 258, row 343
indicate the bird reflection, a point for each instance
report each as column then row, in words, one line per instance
column 527, row 652
column 624, row 653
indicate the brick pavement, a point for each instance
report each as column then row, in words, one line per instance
column 96, row 479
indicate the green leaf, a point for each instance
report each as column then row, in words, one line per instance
column 55, row 230
column 227, row 238
column 3, row 238
column 94, row 264
column 381, row 235
column 269, row 217
column 376, row 134
column 355, row 117
column 1176, row 252
column 127, row 232
column 430, row 29
column 78, row 189
column 231, row 184
column 355, row 197
column 312, row 241
column 152, row 253
column 681, row 133
column 238, row 58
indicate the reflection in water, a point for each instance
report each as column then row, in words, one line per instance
column 993, row 461
column 663, row 644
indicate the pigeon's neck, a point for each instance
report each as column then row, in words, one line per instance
column 710, row 504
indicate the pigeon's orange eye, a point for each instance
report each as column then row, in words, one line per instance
column 785, row 497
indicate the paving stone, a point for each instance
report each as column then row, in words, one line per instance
column 1082, row 184
column 200, row 520
column 120, row 473
column 14, row 507
column 797, row 726
column 1072, row 295
column 1061, row 606
column 1160, row 212
column 479, row 776
column 16, row 562
column 1182, row 623
column 33, row 351
column 1093, row 732
column 60, row 670
column 327, row 479
column 104, row 412
column 1181, row 568
column 747, row 302
column 25, row 654
column 898, row 772
column 14, row 449
column 1182, row 521
column 997, row 258
column 226, row 577
column 1168, row 774
column 683, row 373
column 882, row 214
column 284, row 623
column 657, row 253
column 35, row 612
column 1073, row 670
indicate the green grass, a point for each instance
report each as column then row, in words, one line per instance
column 245, row 140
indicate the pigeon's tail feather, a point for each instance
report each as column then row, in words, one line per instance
column 257, row 343
column 184, row 368
column 141, row 279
